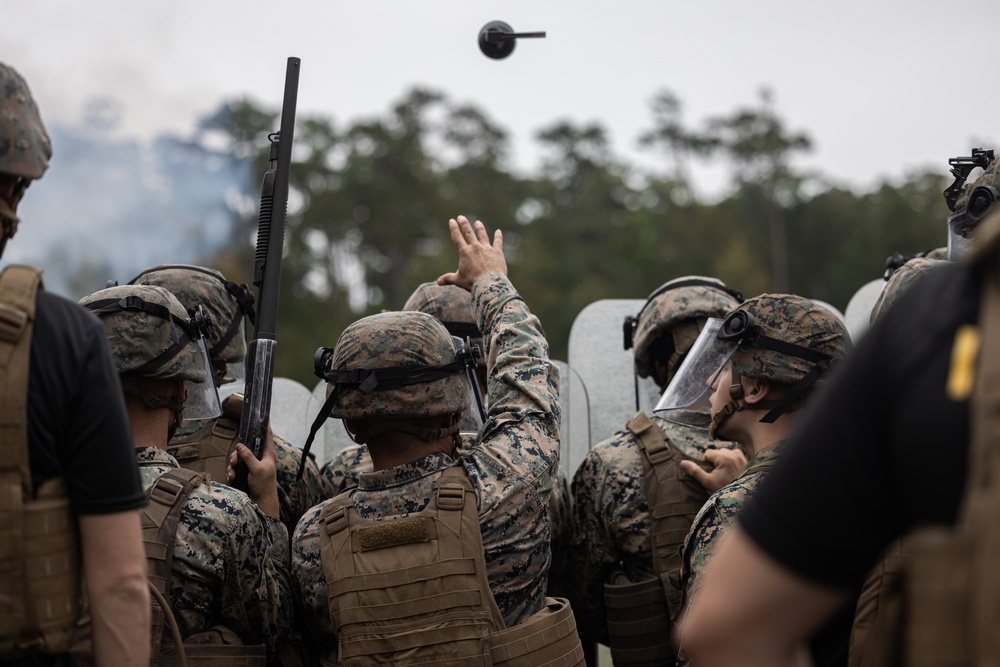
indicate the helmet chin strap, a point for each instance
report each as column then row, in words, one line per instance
column 737, row 402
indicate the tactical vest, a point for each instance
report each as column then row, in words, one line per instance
column 208, row 449
column 217, row 647
column 640, row 614
column 952, row 579
column 39, row 545
column 415, row 590
column 876, row 629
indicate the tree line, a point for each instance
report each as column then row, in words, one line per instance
column 369, row 201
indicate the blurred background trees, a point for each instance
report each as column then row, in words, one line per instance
column 369, row 204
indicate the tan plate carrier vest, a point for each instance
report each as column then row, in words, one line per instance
column 39, row 545
column 640, row 614
column 219, row 646
column 414, row 591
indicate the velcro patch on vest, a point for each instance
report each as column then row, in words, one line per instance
column 394, row 534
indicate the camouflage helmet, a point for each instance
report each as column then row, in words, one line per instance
column 25, row 147
column 149, row 332
column 901, row 280
column 452, row 305
column 793, row 320
column 394, row 364
column 227, row 304
column 691, row 300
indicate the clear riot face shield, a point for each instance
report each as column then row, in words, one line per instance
column 686, row 399
column 472, row 420
column 201, row 398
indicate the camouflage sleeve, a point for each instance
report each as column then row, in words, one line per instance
column 309, row 581
column 593, row 552
column 296, row 495
column 523, row 385
column 513, row 463
column 257, row 595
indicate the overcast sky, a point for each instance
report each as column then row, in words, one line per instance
column 882, row 86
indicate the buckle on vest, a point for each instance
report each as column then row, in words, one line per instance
column 451, row 497
column 12, row 323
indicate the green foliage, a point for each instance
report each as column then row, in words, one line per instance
column 370, row 200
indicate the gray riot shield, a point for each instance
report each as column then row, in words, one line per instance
column 602, row 392
column 859, row 308
column 289, row 405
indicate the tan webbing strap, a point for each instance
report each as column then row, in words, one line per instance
column 160, row 519
column 39, row 545
column 639, row 613
column 18, row 290
column 208, row 449
column 674, row 498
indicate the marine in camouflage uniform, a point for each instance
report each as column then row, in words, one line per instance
column 452, row 305
column 611, row 515
column 229, row 558
column 510, row 467
column 780, row 345
column 229, row 304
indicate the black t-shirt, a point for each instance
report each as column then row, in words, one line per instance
column 882, row 449
column 77, row 425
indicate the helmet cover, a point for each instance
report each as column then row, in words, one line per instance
column 901, row 280
column 394, row 340
column 139, row 340
column 25, row 147
column 668, row 307
column 194, row 285
column 795, row 320
column 452, row 305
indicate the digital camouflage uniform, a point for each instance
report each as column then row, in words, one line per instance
column 611, row 522
column 786, row 340
column 510, row 470
column 229, row 564
column 295, row 495
column 611, row 519
column 230, row 561
column 719, row 513
column 343, row 470
column 229, row 304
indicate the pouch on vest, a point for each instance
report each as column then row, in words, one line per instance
column 39, row 545
column 639, row 614
column 415, row 590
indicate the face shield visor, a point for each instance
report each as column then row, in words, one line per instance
column 201, row 398
column 686, row 399
column 472, row 420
